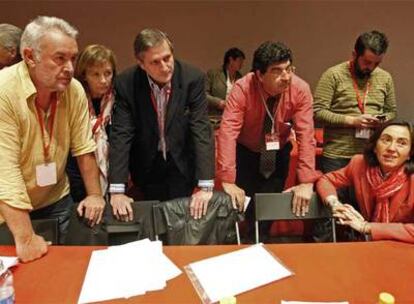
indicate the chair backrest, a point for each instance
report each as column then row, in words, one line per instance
column 47, row 228
column 174, row 224
column 278, row 206
column 141, row 227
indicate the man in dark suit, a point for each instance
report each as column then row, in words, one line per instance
column 160, row 132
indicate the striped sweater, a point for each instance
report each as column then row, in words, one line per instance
column 335, row 98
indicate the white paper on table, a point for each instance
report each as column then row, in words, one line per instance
column 307, row 302
column 101, row 282
column 126, row 270
column 8, row 262
column 235, row 272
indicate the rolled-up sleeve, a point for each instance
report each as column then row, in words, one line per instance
column 81, row 138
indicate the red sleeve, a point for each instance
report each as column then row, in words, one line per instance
column 230, row 126
column 303, row 125
column 393, row 231
column 331, row 181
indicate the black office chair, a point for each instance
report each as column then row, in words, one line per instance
column 278, row 206
column 47, row 228
column 111, row 231
column 141, row 227
column 175, row 226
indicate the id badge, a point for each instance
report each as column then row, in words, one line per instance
column 272, row 141
column 364, row 133
column 46, row 174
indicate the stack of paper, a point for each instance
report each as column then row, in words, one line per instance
column 126, row 270
column 235, row 272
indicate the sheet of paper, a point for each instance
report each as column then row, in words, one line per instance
column 236, row 272
column 126, row 270
column 8, row 262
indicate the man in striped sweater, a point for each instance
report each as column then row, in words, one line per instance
column 352, row 98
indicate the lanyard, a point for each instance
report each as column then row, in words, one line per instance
column 361, row 102
column 46, row 147
column 270, row 114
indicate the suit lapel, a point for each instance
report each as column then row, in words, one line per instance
column 176, row 96
column 143, row 99
column 222, row 78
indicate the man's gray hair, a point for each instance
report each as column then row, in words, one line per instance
column 10, row 36
column 149, row 38
column 36, row 29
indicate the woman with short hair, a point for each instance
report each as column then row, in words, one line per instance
column 383, row 180
column 95, row 69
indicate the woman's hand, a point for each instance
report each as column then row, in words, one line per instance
column 348, row 216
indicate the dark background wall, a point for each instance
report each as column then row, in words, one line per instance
column 320, row 33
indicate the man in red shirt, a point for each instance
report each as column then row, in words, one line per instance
column 260, row 112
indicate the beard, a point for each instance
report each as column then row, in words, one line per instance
column 359, row 73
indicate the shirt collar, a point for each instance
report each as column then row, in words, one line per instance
column 155, row 88
column 28, row 87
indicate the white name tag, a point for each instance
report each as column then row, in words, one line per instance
column 46, row 174
column 364, row 133
column 272, row 142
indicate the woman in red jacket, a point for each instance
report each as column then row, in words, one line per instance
column 383, row 180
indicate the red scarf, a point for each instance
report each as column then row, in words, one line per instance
column 384, row 189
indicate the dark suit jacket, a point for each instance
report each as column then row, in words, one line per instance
column 135, row 135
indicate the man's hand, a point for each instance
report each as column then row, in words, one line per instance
column 363, row 121
column 199, row 203
column 237, row 195
column 121, row 207
column 221, row 104
column 31, row 249
column 92, row 208
column 302, row 194
column 348, row 216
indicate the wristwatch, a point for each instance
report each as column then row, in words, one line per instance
column 207, row 188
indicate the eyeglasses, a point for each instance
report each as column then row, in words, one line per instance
column 275, row 71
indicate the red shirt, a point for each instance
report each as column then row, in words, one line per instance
column 243, row 118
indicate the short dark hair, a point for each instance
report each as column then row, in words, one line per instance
column 369, row 152
column 232, row 53
column 149, row 38
column 269, row 53
column 374, row 41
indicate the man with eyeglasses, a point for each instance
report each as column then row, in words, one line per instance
column 253, row 142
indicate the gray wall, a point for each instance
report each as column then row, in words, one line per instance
column 320, row 33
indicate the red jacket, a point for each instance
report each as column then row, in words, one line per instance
column 243, row 118
column 401, row 204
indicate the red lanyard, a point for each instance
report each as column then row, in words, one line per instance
column 361, row 102
column 46, row 147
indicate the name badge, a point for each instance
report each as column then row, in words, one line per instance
column 364, row 133
column 272, row 141
column 46, row 174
